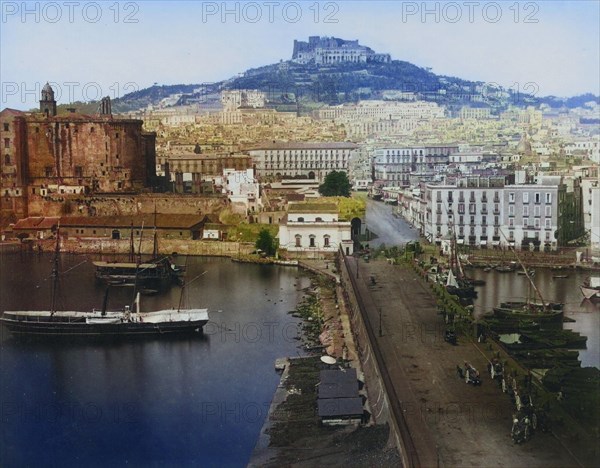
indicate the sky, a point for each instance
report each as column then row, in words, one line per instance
column 90, row 49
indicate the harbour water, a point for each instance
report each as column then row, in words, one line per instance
column 193, row 401
column 502, row 287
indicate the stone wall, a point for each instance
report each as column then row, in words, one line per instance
column 77, row 205
column 378, row 397
column 166, row 247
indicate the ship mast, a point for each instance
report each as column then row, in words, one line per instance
column 155, row 246
column 54, row 274
column 525, row 270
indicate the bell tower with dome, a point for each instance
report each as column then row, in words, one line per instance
column 47, row 103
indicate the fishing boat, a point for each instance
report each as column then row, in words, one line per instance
column 591, row 288
column 516, row 311
column 541, row 312
column 130, row 321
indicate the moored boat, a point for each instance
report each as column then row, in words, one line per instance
column 591, row 288
column 515, row 311
column 125, row 322
column 107, row 323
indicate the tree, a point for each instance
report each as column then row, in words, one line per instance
column 266, row 242
column 336, row 184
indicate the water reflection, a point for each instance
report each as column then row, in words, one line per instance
column 182, row 401
column 501, row 287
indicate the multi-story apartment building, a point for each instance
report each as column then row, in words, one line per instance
column 297, row 159
column 485, row 212
column 393, row 166
column 531, row 214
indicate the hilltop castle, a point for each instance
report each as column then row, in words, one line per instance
column 332, row 50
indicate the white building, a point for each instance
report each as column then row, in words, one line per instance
column 242, row 188
column 393, row 166
column 483, row 212
column 310, row 160
column 236, row 98
column 314, row 227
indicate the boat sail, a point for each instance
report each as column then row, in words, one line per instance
column 125, row 322
column 591, row 288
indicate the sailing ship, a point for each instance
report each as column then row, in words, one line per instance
column 156, row 274
column 540, row 312
column 591, row 288
column 126, row 322
column 457, row 283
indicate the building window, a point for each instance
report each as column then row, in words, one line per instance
column 48, row 171
column 298, row 240
column 548, row 198
column 526, row 197
column 318, row 220
column 300, row 219
column 6, row 127
column 7, row 159
column 7, row 142
column 511, row 197
column 511, row 210
column 312, row 240
column 92, row 129
column 525, row 211
column 326, row 240
column 548, row 211
column 537, row 198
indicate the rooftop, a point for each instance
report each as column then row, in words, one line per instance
column 312, row 208
column 304, row 145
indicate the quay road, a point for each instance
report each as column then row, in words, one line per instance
column 450, row 422
column 389, row 229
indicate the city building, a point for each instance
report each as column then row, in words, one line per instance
column 314, row 227
column 301, row 160
column 394, row 165
column 242, row 189
column 186, row 172
column 44, row 153
column 484, row 212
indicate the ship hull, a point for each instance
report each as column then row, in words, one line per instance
column 111, row 325
column 517, row 311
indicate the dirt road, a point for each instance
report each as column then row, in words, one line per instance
column 469, row 425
